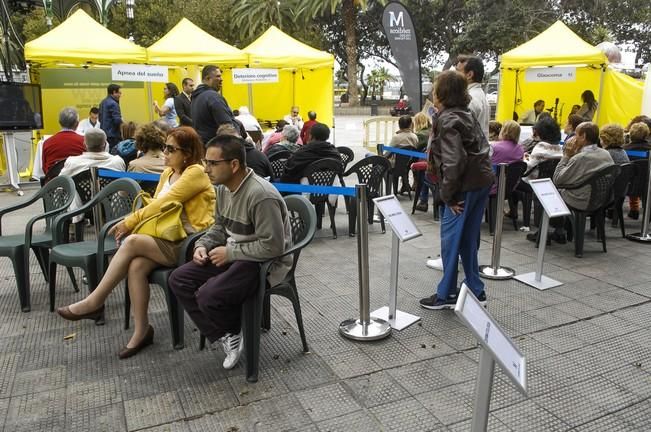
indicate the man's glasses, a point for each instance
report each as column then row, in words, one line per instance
column 214, row 162
column 295, row 112
column 171, row 149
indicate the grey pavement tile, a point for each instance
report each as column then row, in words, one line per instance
column 406, row 415
column 304, row 371
column 551, row 316
column 39, row 380
column 178, row 426
column 610, row 423
column 448, row 404
column 427, row 346
column 376, row 389
column 107, row 418
column 206, row 397
column 238, row 419
column 459, row 338
column 532, row 349
column 351, row 363
column 283, row 412
column 589, row 332
column 527, row 416
column 153, row 410
column 577, row 310
column 269, row 384
column 558, row 339
column 633, row 378
column 358, row 421
column 638, row 415
column 4, row 406
column 456, row 367
column 609, row 396
column 638, row 315
column 85, row 395
column 389, row 353
column 40, row 358
column 494, row 425
column 327, row 402
column 503, row 394
column 8, row 367
column 37, row 410
column 614, row 324
column 421, row 377
column 643, row 289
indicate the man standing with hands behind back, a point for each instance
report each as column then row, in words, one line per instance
column 110, row 115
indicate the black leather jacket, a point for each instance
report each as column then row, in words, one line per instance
column 461, row 154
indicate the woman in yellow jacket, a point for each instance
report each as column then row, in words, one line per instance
column 185, row 181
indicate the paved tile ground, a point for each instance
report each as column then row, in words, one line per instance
column 587, row 345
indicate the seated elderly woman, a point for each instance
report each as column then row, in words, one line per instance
column 183, row 181
column 290, row 136
column 612, row 140
column 150, row 141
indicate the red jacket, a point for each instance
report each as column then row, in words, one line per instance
column 305, row 132
column 60, row 146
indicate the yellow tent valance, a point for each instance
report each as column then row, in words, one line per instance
column 558, row 45
column 80, row 40
column 275, row 49
column 187, row 44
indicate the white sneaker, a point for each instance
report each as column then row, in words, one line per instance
column 233, row 346
column 437, row 264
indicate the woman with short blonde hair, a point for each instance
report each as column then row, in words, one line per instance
column 611, row 137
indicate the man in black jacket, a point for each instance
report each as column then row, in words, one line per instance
column 318, row 148
column 182, row 102
column 209, row 108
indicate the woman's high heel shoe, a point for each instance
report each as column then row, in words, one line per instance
column 127, row 352
column 66, row 313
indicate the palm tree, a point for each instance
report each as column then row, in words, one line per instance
column 382, row 77
column 349, row 10
column 253, row 17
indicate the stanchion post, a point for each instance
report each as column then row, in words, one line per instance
column 484, row 389
column 393, row 283
column 643, row 235
column 494, row 271
column 365, row 328
column 542, row 244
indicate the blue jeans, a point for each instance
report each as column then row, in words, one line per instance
column 459, row 234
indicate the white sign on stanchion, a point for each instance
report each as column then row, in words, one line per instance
column 403, row 229
column 554, row 206
column 495, row 346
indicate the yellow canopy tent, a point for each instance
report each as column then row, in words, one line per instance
column 187, row 46
column 305, row 79
column 525, row 77
column 56, row 58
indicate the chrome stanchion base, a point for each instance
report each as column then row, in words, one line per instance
column 375, row 329
column 500, row 273
column 543, row 284
column 638, row 237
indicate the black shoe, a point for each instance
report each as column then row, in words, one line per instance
column 482, row 298
column 421, row 206
column 559, row 238
column 634, row 214
column 610, row 213
column 533, row 237
column 435, row 303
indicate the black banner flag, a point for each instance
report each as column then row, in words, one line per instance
column 399, row 29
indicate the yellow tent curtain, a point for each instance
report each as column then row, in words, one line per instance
column 619, row 96
column 80, row 40
column 187, row 44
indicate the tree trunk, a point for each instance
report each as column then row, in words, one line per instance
column 348, row 12
column 364, row 85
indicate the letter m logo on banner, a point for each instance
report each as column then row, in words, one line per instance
column 393, row 21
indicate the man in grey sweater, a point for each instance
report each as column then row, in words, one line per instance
column 251, row 226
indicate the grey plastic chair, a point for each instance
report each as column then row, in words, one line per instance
column 57, row 195
column 256, row 309
column 116, row 200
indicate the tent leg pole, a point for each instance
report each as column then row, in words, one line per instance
column 601, row 91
